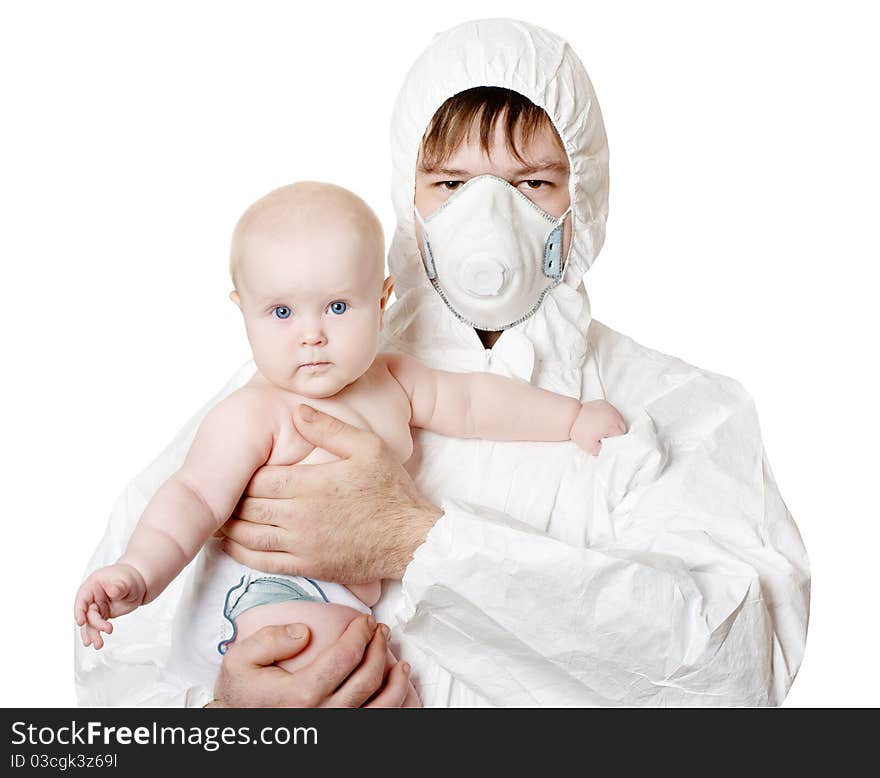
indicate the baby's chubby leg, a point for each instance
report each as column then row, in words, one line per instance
column 326, row 621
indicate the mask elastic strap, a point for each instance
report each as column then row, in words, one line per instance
column 427, row 258
column 553, row 249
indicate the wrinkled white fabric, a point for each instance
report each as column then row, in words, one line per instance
column 666, row 571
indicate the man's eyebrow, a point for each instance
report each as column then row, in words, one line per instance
column 444, row 171
column 543, row 166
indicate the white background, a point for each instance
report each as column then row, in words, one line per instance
column 742, row 237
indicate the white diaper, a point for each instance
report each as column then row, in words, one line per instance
column 217, row 591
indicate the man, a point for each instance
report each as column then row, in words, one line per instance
column 667, row 571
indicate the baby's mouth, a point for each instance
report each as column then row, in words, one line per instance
column 311, row 366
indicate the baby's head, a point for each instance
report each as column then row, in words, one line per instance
column 307, row 261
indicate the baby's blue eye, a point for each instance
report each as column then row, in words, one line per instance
column 282, row 311
column 338, row 307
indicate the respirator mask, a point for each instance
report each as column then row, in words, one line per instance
column 491, row 253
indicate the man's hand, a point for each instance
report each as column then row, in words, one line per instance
column 355, row 520
column 348, row 674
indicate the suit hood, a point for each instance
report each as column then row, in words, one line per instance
column 548, row 348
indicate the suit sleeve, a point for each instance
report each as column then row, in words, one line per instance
column 696, row 592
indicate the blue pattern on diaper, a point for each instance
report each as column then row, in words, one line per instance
column 265, row 590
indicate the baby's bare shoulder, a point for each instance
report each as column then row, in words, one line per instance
column 245, row 420
column 384, row 373
column 400, row 366
column 251, row 404
column 388, row 360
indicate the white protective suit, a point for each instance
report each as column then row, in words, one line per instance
column 667, row 571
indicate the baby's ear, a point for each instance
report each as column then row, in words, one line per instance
column 233, row 295
column 387, row 289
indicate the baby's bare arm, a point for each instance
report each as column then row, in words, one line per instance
column 482, row 405
column 233, row 440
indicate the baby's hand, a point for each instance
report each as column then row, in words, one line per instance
column 597, row 419
column 111, row 591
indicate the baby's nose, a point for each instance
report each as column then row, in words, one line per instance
column 313, row 336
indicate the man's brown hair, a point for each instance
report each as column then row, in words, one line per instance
column 453, row 120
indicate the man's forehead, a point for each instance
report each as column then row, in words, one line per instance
column 540, row 153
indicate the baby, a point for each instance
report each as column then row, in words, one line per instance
column 307, row 263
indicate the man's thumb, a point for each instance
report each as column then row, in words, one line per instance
column 297, row 632
column 328, row 432
column 273, row 643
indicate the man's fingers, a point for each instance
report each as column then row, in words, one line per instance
column 395, row 690
column 267, row 561
column 270, row 644
column 260, row 537
column 367, row 677
column 281, row 481
column 259, row 510
column 336, row 662
column 332, row 434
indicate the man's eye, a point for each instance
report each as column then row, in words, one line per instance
column 451, row 185
column 282, row 311
column 535, row 184
column 339, row 307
